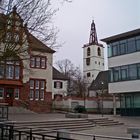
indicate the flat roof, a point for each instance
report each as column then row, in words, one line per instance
column 121, row 36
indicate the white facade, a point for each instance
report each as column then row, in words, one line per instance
column 60, row 88
column 124, row 86
column 96, row 64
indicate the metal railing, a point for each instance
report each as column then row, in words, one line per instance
column 8, row 132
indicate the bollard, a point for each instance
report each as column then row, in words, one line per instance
column 135, row 136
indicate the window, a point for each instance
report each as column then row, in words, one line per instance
column 38, row 62
column 131, row 45
column 99, row 51
column 124, row 73
column 16, row 93
column 138, row 43
column 115, row 50
column 37, row 94
column 138, row 70
column 32, row 62
column 37, row 89
column 16, row 37
column 95, row 62
column 132, row 72
column 1, row 92
column 88, row 74
column 42, row 95
column 1, row 71
column 58, row 84
column 31, row 95
column 109, row 50
column 88, row 51
column 10, row 70
column 88, row 61
column 124, row 46
column 116, row 76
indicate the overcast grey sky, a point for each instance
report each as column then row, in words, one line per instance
column 74, row 19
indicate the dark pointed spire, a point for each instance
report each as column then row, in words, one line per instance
column 93, row 35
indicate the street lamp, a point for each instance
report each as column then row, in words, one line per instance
column 102, row 83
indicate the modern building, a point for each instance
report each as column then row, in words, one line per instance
column 124, row 67
column 59, row 85
column 93, row 57
column 25, row 80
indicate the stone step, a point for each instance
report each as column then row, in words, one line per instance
column 53, row 125
column 113, row 123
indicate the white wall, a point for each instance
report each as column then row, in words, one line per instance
column 93, row 68
column 62, row 91
column 124, row 59
column 125, row 86
column 43, row 73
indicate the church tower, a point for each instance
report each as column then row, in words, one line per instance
column 93, row 57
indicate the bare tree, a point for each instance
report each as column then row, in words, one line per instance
column 37, row 14
column 76, row 84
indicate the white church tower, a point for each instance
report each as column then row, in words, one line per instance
column 93, row 57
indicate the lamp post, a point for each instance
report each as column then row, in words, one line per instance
column 102, row 83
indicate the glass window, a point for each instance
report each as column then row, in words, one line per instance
column 131, row 47
column 38, row 90
column 138, row 44
column 111, row 75
column 1, row 71
column 43, row 62
column 31, row 84
column 16, row 93
column 1, row 92
column 137, row 101
column 123, row 47
column 109, row 51
column 38, row 62
column 36, row 94
column 32, row 61
column 31, row 95
column 124, row 73
column 132, row 72
column 17, row 69
column 115, row 50
column 42, row 95
column 16, row 36
column 116, row 74
column 138, row 69
column 9, row 71
column 58, row 84
column 42, row 84
column 37, row 84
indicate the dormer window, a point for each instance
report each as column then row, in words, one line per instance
column 88, row 51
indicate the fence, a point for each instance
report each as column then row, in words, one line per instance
column 7, row 132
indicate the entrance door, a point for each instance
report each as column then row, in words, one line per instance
column 9, row 96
